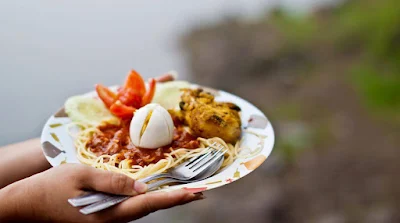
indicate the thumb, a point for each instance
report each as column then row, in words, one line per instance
column 113, row 183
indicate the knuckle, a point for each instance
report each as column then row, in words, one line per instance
column 95, row 218
column 147, row 206
column 119, row 183
column 83, row 169
column 80, row 170
column 74, row 172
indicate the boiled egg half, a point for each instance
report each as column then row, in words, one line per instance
column 151, row 127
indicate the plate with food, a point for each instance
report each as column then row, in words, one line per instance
column 144, row 128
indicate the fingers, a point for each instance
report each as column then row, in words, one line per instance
column 170, row 76
column 145, row 204
column 113, row 183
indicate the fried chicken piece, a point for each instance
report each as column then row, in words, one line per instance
column 207, row 118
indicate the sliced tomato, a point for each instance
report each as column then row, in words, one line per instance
column 130, row 97
column 135, row 81
column 150, row 93
column 106, row 95
column 122, row 110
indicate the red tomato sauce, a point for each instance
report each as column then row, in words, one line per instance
column 114, row 139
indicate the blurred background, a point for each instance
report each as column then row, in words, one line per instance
column 326, row 73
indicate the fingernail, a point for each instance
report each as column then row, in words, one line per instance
column 140, row 187
column 196, row 196
column 199, row 196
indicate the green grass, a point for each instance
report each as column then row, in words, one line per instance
column 297, row 29
column 371, row 25
column 376, row 29
column 379, row 88
column 288, row 111
column 375, row 25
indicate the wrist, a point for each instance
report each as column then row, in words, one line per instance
column 8, row 196
column 17, row 202
column 20, row 201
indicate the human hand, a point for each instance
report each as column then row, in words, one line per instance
column 43, row 197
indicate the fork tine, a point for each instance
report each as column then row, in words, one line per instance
column 208, row 158
column 200, row 158
column 211, row 161
column 197, row 157
column 205, row 157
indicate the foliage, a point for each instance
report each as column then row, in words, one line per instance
column 373, row 28
column 376, row 26
column 298, row 29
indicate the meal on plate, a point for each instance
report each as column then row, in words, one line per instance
column 140, row 129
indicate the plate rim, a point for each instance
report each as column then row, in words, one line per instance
column 188, row 186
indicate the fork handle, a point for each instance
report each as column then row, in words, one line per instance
column 113, row 200
column 155, row 176
column 93, row 197
column 161, row 182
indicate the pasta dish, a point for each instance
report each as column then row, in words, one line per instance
column 140, row 128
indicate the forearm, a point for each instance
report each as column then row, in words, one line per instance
column 17, row 201
column 21, row 160
column 7, row 205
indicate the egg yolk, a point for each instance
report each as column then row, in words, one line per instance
column 146, row 122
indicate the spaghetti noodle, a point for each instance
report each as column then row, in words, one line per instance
column 108, row 146
column 148, row 164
